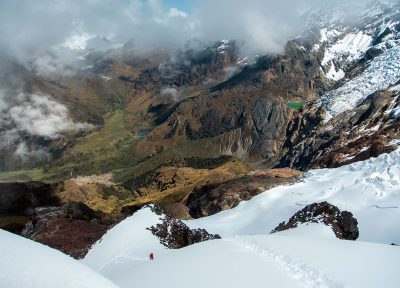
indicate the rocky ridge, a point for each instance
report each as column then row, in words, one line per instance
column 343, row 224
column 174, row 234
column 367, row 131
column 71, row 228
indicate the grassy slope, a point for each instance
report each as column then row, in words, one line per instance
column 186, row 180
column 113, row 149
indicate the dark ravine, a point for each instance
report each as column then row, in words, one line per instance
column 18, row 201
column 72, row 228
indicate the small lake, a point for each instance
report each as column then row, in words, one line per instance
column 143, row 133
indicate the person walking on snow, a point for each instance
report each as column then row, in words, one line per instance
column 151, row 256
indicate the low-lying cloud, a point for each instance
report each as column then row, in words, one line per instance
column 26, row 155
column 30, row 28
column 41, row 116
column 33, row 115
column 172, row 93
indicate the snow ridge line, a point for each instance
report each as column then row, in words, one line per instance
column 307, row 276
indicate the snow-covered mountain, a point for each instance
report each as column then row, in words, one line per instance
column 308, row 256
column 330, row 100
column 361, row 56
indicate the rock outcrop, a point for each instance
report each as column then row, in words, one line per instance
column 20, row 198
column 18, row 201
column 354, row 135
column 174, row 234
column 343, row 224
column 72, row 228
column 216, row 196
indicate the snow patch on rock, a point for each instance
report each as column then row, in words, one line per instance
column 382, row 72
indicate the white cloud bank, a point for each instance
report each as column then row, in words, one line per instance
column 31, row 27
column 41, row 116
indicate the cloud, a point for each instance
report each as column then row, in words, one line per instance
column 41, row 116
column 32, row 28
column 171, row 92
column 27, row 155
column 26, row 117
column 230, row 71
column 174, row 12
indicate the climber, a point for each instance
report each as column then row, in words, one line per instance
column 151, row 256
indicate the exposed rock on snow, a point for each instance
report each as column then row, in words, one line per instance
column 367, row 52
column 174, row 234
column 369, row 189
column 343, row 224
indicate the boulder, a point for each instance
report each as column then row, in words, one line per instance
column 343, row 224
column 174, row 234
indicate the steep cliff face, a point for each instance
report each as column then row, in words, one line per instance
column 367, row 131
column 356, row 118
column 18, row 201
column 250, row 111
column 72, row 228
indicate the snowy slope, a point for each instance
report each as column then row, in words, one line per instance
column 126, row 245
column 270, row 261
column 343, row 44
column 27, row 264
column 308, row 256
column 382, row 72
column 347, row 49
column 369, row 189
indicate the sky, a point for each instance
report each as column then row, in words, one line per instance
column 184, row 5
